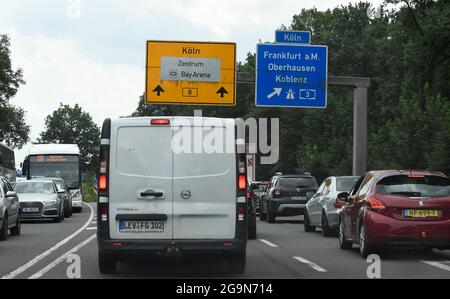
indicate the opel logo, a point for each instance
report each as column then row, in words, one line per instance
column 186, row 194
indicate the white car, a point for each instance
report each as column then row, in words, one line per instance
column 156, row 199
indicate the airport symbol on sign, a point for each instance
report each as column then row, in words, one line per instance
column 291, row 75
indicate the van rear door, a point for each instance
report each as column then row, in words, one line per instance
column 140, row 180
column 204, row 184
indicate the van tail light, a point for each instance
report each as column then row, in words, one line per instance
column 277, row 191
column 241, row 214
column 337, row 203
column 103, row 212
column 102, row 184
column 376, row 205
column 160, row 122
column 242, row 182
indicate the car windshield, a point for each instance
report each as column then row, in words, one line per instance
column 258, row 188
column 34, row 187
column 422, row 186
column 60, row 185
column 298, row 182
column 345, row 184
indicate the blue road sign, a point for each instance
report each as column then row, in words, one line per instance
column 291, row 75
column 292, row 37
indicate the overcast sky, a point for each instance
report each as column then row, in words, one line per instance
column 93, row 52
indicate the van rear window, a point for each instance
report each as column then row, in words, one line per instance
column 403, row 185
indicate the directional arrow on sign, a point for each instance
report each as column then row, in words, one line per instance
column 277, row 92
column 158, row 90
column 222, row 91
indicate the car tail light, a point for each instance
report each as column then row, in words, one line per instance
column 277, row 191
column 375, row 204
column 160, row 122
column 337, row 204
column 250, row 195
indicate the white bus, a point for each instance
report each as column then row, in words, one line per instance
column 7, row 163
column 57, row 160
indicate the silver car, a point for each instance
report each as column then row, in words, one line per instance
column 322, row 210
column 9, row 211
column 40, row 199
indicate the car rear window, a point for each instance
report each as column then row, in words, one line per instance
column 345, row 184
column 298, row 182
column 403, row 185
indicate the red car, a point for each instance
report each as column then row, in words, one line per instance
column 396, row 209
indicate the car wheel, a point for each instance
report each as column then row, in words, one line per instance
column 307, row 224
column 15, row 231
column 364, row 248
column 326, row 230
column 262, row 215
column 236, row 262
column 67, row 211
column 252, row 232
column 58, row 218
column 107, row 263
column 62, row 214
column 270, row 216
column 343, row 243
column 4, row 229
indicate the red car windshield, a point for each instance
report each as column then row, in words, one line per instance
column 426, row 186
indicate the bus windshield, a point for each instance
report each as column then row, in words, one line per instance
column 65, row 167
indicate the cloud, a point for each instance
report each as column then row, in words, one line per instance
column 56, row 70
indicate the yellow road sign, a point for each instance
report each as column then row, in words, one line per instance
column 196, row 73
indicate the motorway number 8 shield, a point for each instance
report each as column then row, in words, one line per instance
column 141, row 226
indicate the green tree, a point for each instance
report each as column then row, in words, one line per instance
column 72, row 125
column 13, row 129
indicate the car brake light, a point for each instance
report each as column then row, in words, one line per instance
column 375, row 204
column 160, row 122
column 337, row 204
column 102, row 182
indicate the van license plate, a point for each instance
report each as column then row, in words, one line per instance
column 141, row 226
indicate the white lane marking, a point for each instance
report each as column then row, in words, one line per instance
column 437, row 265
column 268, row 243
column 62, row 258
column 91, row 228
column 43, row 255
column 94, row 222
column 311, row 264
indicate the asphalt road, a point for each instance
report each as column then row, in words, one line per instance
column 282, row 250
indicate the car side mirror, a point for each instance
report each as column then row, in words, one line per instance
column 61, row 191
column 11, row 194
column 343, row 196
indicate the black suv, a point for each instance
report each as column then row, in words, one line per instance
column 286, row 195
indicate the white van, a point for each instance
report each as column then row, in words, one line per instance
column 158, row 200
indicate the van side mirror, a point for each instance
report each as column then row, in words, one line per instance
column 343, row 196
